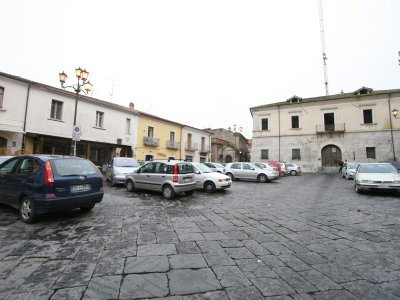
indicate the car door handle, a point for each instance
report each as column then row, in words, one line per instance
column 163, row 176
column 147, row 175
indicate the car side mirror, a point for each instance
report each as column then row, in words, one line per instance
column 109, row 166
column 197, row 172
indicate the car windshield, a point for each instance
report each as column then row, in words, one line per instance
column 352, row 166
column 72, row 167
column 126, row 162
column 218, row 165
column 203, row 168
column 377, row 168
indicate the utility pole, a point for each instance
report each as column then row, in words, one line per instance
column 324, row 57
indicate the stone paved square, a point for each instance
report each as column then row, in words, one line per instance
column 301, row 237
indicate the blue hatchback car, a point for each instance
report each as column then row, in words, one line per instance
column 37, row 184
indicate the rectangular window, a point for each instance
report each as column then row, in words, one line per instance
column 128, row 125
column 296, row 154
column 367, row 116
column 150, row 131
column 1, row 96
column 371, row 152
column 56, row 109
column 172, row 136
column 189, row 140
column 99, row 119
column 264, row 154
column 264, row 124
column 295, row 122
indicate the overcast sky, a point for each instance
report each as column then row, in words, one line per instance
column 203, row 63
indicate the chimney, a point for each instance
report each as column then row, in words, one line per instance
column 131, row 106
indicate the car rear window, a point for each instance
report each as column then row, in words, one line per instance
column 377, row 168
column 70, row 167
column 182, row 168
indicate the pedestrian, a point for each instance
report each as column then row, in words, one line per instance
column 341, row 163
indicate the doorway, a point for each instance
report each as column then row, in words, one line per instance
column 331, row 156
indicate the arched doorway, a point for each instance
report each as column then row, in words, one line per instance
column 228, row 159
column 331, row 156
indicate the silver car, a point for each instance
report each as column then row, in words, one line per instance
column 376, row 176
column 293, row 169
column 119, row 167
column 349, row 169
column 249, row 171
column 169, row 178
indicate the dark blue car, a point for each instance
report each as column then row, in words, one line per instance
column 37, row 184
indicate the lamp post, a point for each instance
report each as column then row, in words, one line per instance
column 234, row 136
column 83, row 85
column 395, row 113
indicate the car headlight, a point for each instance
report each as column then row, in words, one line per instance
column 397, row 182
column 366, row 181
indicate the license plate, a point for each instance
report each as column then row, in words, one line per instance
column 187, row 179
column 80, row 188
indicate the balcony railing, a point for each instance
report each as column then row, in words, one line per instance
column 191, row 146
column 173, row 145
column 151, row 141
column 331, row 128
column 204, row 149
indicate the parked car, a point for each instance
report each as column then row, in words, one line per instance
column 245, row 170
column 4, row 158
column 349, row 169
column 293, row 169
column 37, row 184
column 278, row 166
column 209, row 180
column 168, row 177
column 119, row 167
column 216, row 167
column 370, row 176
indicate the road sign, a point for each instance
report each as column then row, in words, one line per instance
column 76, row 133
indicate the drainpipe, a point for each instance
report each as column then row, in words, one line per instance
column 279, row 133
column 26, row 114
column 180, row 148
column 391, row 127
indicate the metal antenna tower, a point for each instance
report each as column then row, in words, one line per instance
column 324, row 58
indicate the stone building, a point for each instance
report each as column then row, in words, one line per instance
column 317, row 133
column 228, row 146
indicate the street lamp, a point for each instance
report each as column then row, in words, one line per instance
column 83, row 85
column 234, row 135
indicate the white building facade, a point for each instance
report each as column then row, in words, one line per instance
column 317, row 133
column 196, row 144
column 38, row 118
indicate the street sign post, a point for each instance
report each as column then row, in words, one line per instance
column 76, row 133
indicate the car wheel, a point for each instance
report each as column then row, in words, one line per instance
column 87, row 208
column 293, row 173
column 130, row 186
column 230, row 176
column 27, row 210
column 209, row 186
column 262, row 178
column 358, row 190
column 168, row 192
column 189, row 193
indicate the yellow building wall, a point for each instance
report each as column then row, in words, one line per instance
column 162, row 131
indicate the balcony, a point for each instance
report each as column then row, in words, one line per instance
column 191, row 146
column 151, row 141
column 331, row 128
column 204, row 149
column 173, row 145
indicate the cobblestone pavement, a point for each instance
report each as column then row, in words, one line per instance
column 304, row 237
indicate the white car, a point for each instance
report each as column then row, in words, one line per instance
column 370, row 176
column 209, row 180
column 216, row 167
column 349, row 169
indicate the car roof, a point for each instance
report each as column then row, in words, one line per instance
column 46, row 157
